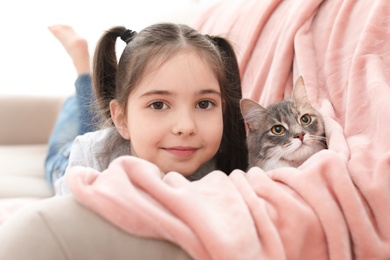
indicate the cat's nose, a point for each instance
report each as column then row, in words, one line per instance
column 300, row 135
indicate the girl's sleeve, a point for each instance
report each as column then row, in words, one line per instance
column 80, row 155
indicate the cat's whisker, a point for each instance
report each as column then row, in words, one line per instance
column 318, row 137
column 281, row 153
column 321, row 140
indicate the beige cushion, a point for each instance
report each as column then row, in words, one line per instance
column 27, row 119
column 22, row 171
column 26, row 124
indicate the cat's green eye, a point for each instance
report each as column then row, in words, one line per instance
column 305, row 119
column 278, row 129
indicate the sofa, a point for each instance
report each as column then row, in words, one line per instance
column 334, row 206
column 27, row 122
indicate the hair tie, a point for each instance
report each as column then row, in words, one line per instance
column 127, row 35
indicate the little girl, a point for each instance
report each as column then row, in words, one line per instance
column 173, row 99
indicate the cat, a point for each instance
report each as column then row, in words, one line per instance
column 286, row 133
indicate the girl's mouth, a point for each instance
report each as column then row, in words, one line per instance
column 182, row 151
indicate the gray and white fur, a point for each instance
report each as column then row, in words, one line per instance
column 286, row 133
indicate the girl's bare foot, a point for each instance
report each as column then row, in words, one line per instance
column 75, row 45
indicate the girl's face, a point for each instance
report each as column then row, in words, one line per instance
column 174, row 116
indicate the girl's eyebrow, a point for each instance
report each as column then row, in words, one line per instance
column 209, row 91
column 156, row 92
column 166, row 93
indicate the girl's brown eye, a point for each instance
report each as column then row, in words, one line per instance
column 205, row 104
column 305, row 119
column 158, row 105
column 278, row 130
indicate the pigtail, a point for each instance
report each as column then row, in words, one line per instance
column 105, row 68
column 233, row 151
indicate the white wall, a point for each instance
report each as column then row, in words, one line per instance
column 33, row 62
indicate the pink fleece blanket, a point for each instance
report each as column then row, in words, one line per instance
column 336, row 205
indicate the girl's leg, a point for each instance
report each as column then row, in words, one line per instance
column 75, row 117
column 85, row 98
column 75, row 46
column 60, row 143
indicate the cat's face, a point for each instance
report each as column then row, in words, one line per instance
column 284, row 134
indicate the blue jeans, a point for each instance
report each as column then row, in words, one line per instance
column 75, row 118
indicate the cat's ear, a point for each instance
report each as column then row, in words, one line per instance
column 299, row 94
column 252, row 112
column 299, row 91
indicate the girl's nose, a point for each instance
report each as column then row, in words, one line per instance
column 184, row 125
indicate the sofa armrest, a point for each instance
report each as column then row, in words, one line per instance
column 28, row 119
